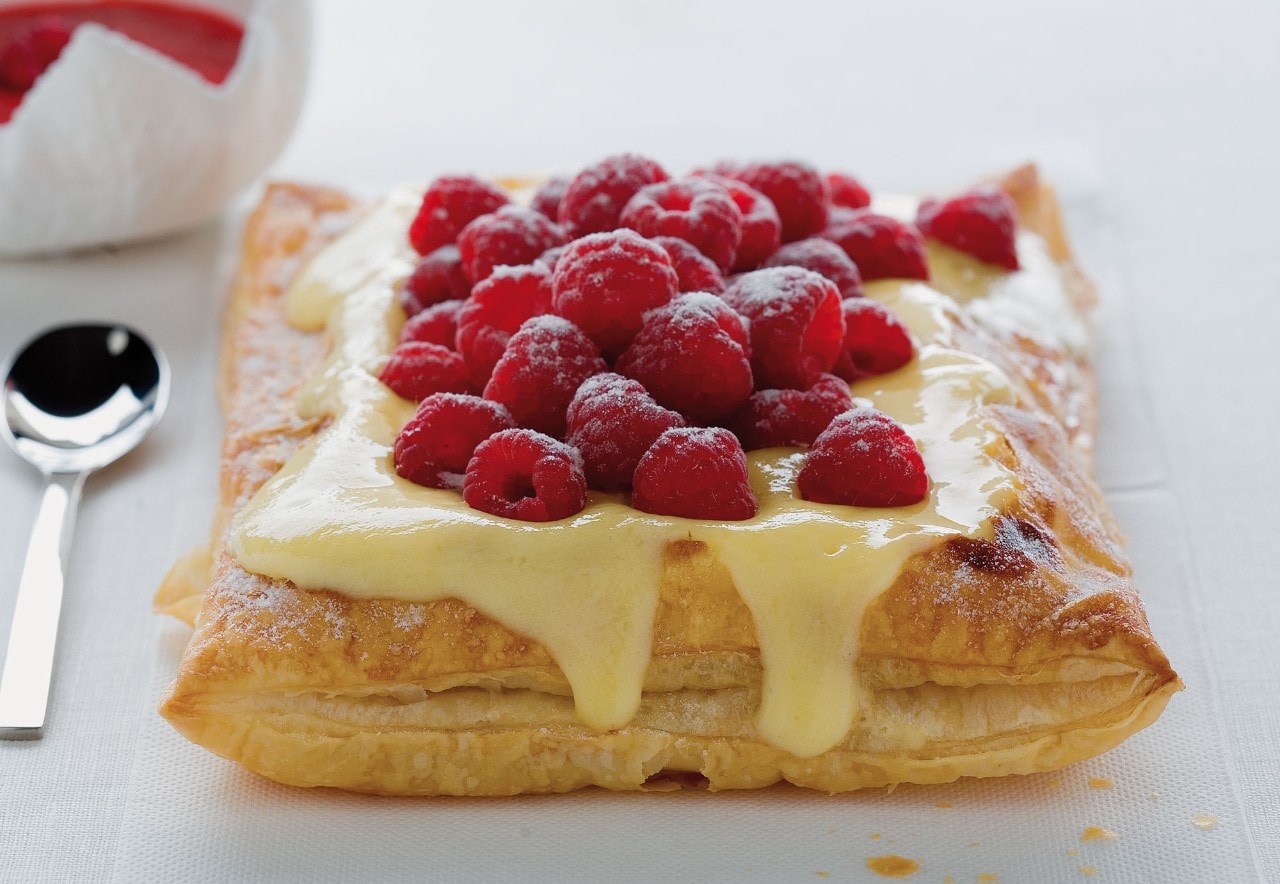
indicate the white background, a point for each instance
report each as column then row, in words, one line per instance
column 1159, row 122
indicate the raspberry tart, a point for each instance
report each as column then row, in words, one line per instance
column 744, row 476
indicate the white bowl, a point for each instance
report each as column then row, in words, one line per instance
column 116, row 142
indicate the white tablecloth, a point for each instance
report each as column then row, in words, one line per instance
column 1157, row 123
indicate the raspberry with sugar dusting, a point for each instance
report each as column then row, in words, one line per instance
column 761, row 227
column 824, row 258
column 697, row 210
column 595, row 197
column 875, row 340
column 522, row 474
column 981, row 223
column 693, row 356
column 864, row 458
column 417, row 369
column 695, row 473
column 795, row 321
column 498, row 306
column 450, row 204
column 797, row 191
column 544, row 364
column 547, row 198
column 613, row 421
column 436, row 444
column 512, row 235
column 847, row 191
column 791, row 417
column 881, row 246
column 438, row 324
column 437, row 277
column 694, row 270
column 605, row 283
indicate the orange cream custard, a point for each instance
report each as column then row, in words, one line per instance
column 431, row 647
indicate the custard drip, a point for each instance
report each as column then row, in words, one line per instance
column 586, row 588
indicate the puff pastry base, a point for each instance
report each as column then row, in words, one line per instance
column 984, row 658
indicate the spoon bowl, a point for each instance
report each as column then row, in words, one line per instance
column 76, row 398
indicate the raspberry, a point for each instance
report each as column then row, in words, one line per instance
column 791, row 417
column 693, row 357
column 605, row 282
column 795, row 321
column 694, row 270
column 875, row 340
column 512, row 235
column 981, row 223
column 847, row 191
column 544, row 364
column 498, row 306
column 796, row 190
column 551, row 257
column 438, row 324
column 696, row 210
column 30, row 51
column 547, row 198
column 520, row 474
column 595, row 197
column 438, row 277
column 824, row 258
column 882, row 247
column 435, row 445
column 418, row 369
column 761, row 227
column 695, row 473
column 450, row 204
column 612, row 421
column 865, row 458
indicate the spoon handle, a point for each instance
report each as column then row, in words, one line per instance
column 28, row 664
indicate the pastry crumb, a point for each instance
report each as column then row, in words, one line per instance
column 1097, row 833
column 823, row 874
column 1205, row 821
column 893, row 866
column 1100, row 783
column 1088, row 871
column 875, row 836
column 988, row 878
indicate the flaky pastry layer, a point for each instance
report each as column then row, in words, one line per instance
column 986, row 657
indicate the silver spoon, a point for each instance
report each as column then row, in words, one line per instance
column 76, row 398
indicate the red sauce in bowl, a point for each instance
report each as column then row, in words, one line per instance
column 33, row 34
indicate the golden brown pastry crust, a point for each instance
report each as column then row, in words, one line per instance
column 1013, row 655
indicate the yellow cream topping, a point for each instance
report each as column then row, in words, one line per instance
column 586, row 588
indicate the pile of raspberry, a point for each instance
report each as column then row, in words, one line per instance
column 637, row 333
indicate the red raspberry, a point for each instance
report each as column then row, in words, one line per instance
column 520, row 474
column 513, row 235
column 450, row 204
column 547, row 198
column 695, row 473
column 418, row 369
column 594, row 200
column 435, row 445
column 605, row 282
column 824, row 258
column 438, row 277
column 544, row 364
column 696, row 210
column 875, row 340
column 761, row 227
column 882, row 247
column 865, row 458
column 981, row 223
column 791, row 417
column 847, row 191
column 797, row 191
column 30, row 51
column 795, row 321
column 612, row 421
column 438, row 324
column 498, row 306
column 692, row 356
column 694, row 270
